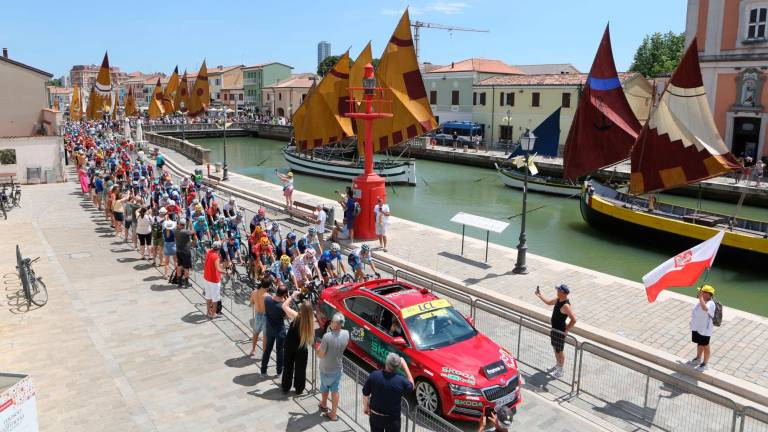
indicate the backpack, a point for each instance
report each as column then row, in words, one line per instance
column 356, row 210
column 717, row 320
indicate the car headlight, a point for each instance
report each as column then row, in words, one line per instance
column 464, row 390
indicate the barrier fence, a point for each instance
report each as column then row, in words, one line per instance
column 646, row 394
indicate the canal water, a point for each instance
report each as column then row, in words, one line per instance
column 554, row 226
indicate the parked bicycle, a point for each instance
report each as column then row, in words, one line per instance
column 33, row 286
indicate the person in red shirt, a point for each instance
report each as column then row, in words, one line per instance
column 212, row 278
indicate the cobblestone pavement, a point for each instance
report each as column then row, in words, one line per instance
column 117, row 349
column 607, row 302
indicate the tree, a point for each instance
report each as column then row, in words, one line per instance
column 56, row 82
column 327, row 64
column 659, row 54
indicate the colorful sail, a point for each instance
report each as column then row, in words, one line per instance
column 680, row 144
column 103, row 79
column 93, row 102
column 201, row 93
column 170, row 91
column 156, row 109
column 181, row 98
column 130, row 104
column 327, row 104
column 398, row 72
column 604, row 128
column 547, row 137
column 75, row 110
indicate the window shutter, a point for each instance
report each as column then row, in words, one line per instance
column 501, row 99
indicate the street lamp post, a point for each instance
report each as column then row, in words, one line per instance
column 507, row 119
column 526, row 143
column 224, row 167
column 183, row 121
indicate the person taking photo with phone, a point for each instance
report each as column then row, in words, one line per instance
column 561, row 312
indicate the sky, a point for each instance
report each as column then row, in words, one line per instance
column 157, row 35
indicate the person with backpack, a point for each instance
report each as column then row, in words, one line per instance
column 351, row 210
column 704, row 317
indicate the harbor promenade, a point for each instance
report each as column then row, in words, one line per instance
column 118, row 349
column 610, row 309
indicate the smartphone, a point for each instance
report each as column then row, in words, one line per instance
column 488, row 411
column 538, row 290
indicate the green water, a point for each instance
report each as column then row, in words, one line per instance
column 555, row 230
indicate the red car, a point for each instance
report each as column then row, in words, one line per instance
column 459, row 372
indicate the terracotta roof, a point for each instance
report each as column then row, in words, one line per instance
column 218, row 70
column 59, row 90
column 27, row 67
column 547, row 69
column 544, row 80
column 479, row 65
column 260, row 65
column 296, row 81
column 153, row 80
column 232, row 82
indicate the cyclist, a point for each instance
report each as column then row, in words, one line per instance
column 327, row 264
column 275, row 236
column 283, row 272
column 230, row 208
column 259, row 218
column 358, row 258
column 263, row 255
column 288, row 246
column 311, row 239
column 305, row 268
column 233, row 249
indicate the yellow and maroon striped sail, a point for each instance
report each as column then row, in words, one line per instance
column 320, row 119
column 181, row 98
column 679, row 143
column 75, row 106
column 93, row 101
column 170, row 91
column 200, row 97
column 398, row 72
column 103, row 79
column 156, row 109
column 130, row 104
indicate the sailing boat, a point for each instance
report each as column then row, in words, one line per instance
column 547, row 137
column 327, row 102
column 679, row 145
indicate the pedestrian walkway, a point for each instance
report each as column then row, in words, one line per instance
column 609, row 305
column 118, row 349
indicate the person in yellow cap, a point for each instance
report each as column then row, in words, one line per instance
column 287, row 188
column 702, row 324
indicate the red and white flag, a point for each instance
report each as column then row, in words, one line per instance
column 684, row 269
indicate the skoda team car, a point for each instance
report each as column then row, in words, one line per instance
column 459, row 372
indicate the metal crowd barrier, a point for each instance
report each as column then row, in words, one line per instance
column 643, row 392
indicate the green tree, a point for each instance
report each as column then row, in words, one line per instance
column 327, row 64
column 659, row 54
column 56, row 82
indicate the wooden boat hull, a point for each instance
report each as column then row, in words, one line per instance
column 516, row 180
column 395, row 172
column 601, row 211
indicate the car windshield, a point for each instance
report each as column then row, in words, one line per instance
column 438, row 328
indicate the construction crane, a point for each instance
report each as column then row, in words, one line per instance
column 417, row 25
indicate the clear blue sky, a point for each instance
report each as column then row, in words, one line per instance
column 157, row 35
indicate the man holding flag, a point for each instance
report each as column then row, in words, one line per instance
column 683, row 270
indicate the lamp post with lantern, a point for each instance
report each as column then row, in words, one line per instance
column 527, row 140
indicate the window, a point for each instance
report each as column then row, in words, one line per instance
column 303, row 96
column 365, row 308
column 511, row 99
column 216, row 81
column 505, row 132
column 535, row 99
column 482, row 98
column 280, row 96
column 757, row 22
column 455, row 97
column 240, row 96
column 218, row 95
column 566, row 103
column 268, row 96
column 225, row 96
column 474, row 98
column 433, row 97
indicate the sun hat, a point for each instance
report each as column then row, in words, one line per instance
column 708, row 289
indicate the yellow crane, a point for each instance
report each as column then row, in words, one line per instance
column 418, row 25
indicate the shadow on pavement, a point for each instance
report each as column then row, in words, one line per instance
column 142, row 267
column 153, row 278
column 196, row 317
column 161, row 288
column 241, row 362
column 121, row 250
column 250, row 380
column 627, row 411
column 539, row 382
column 274, row 393
column 465, row 260
column 128, row 260
column 298, row 422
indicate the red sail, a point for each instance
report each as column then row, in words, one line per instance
column 604, row 128
column 680, row 144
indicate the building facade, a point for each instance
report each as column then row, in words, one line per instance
column 60, row 95
column 257, row 76
column 284, row 97
column 507, row 105
column 449, row 88
column 216, row 80
column 23, row 97
column 323, row 51
column 85, row 75
column 732, row 37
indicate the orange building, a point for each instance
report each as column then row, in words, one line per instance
column 733, row 52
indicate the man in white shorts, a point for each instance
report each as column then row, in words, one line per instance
column 212, row 278
column 381, row 212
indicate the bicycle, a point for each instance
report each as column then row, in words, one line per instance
column 15, row 195
column 33, row 286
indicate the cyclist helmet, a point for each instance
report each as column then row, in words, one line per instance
column 310, row 255
column 312, row 230
column 201, row 218
column 291, row 236
column 264, row 241
column 239, row 214
column 285, row 259
column 335, row 247
column 261, row 211
column 257, row 230
column 365, row 247
column 275, row 226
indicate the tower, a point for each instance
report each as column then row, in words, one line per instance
column 323, row 51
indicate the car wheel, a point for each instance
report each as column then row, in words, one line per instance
column 427, row 397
